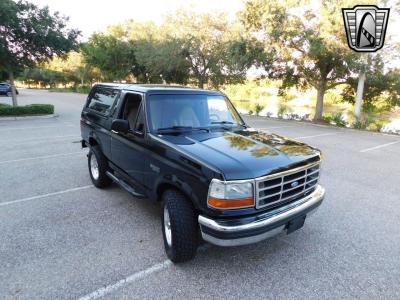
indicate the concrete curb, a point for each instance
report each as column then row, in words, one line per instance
column 28, row 117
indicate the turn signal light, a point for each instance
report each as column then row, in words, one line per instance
column 230, row 203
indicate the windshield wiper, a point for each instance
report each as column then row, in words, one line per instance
column 174, row 129
column 222, row 122
column 228, row 123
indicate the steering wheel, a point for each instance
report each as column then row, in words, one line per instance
column 214, row 118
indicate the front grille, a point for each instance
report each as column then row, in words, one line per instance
column 280, row 188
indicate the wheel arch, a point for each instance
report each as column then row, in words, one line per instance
column 166, row 185
column 93, row 142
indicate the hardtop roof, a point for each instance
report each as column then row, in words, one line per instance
column 158, row 88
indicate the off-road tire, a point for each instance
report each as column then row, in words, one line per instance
column 102, row 180
column 183, row 224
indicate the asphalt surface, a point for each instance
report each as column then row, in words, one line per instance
column 61, row 238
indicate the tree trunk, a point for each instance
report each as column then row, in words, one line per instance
column 320, row 104
column 201, row 82
column 13, row 92
column 360, row 90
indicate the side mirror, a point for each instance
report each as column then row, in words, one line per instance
column 119, row 125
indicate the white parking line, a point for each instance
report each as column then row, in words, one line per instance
column 45, row 195
column 317, row 135
column 275, row 127
column 40, row 157
column 42, row 138
column 379, row 146
column 101, row 292
column 132, row 278
column 34, row 127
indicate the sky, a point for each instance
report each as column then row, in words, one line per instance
column 95, row 15
column 92, row 15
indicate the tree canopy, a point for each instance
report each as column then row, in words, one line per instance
column 293, row 42
column 113, row 57
column 306, row 44
column 204, row 47
column 30, row 34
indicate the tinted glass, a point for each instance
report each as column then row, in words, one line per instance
column 166, row 111
column 139, row 126
column 102, row 100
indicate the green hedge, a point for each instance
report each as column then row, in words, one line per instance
column 33, row 109
column 78, row 89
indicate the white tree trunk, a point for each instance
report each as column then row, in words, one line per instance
column 359, row 96
column 13, row 92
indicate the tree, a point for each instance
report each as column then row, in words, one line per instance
column 115, row 58
column 307, row 44
column 72, row 68
column 378, row 86
column 29, row 35
column 161, row 61
column 209, row 41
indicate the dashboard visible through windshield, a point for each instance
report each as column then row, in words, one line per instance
column 190, row 111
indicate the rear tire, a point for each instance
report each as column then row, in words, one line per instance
column 179, row 227
column 98, row 167
column 9, row 94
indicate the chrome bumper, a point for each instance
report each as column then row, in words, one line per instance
column 265, row 225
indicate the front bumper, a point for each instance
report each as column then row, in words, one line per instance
column 248, row 230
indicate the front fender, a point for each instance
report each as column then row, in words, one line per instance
column 195, row 192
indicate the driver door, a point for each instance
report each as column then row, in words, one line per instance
column 127, row 149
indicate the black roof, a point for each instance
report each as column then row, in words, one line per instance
column 158, row 88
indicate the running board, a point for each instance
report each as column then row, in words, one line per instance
column 124, row 185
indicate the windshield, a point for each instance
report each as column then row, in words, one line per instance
column 191, row 111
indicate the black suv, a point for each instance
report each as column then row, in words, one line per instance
column 189, row 149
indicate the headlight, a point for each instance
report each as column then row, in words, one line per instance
column 225, row 195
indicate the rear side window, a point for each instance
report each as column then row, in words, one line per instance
column 102, row 100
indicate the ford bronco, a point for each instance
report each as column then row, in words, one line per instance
column 216, row 178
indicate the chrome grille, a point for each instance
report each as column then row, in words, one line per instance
column 286, row 186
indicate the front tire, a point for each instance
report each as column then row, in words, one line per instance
column 9, row 94
column 179, row 227
column 98, row 166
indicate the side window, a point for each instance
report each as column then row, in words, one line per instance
column 131, row 108
column 102, row 100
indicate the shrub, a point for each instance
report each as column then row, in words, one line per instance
column 250, row 112
column 338, row 119
column 33, row 109
column 282, row 109
column 378, row 125
column 365, row 120
column 258, row 108
column 358, row 124
column 76, row 89
column 327, row 118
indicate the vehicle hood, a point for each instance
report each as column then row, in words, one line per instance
column 245, row 153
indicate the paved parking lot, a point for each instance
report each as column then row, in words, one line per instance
column 61, row 238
